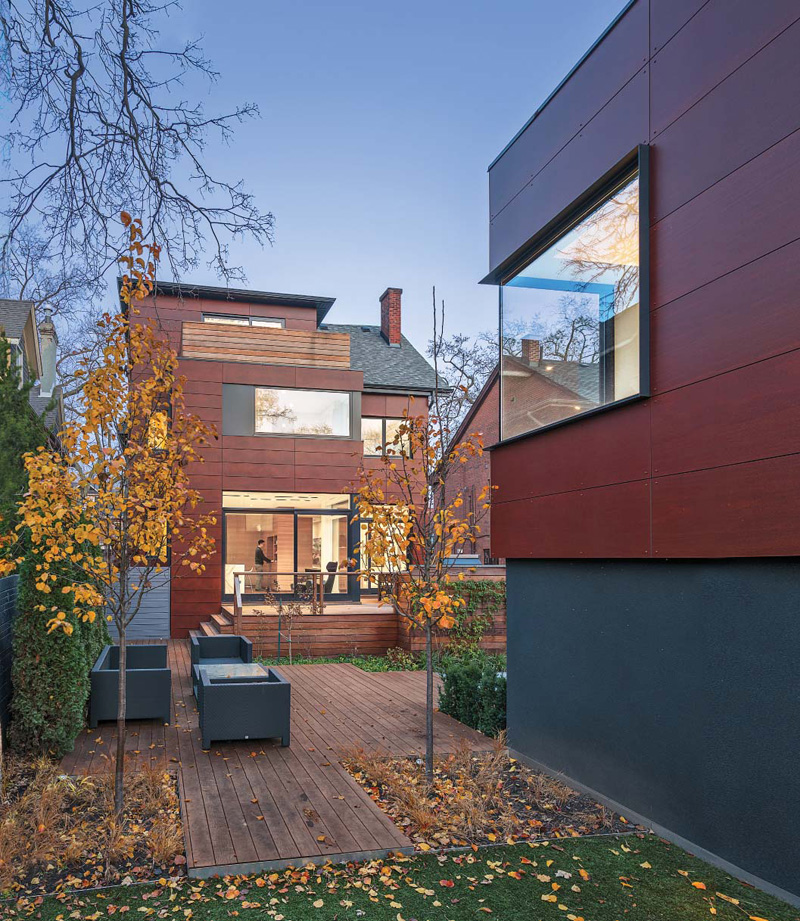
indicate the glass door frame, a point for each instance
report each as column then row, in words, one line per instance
column 353, row 592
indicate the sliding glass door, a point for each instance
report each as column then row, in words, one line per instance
column 302, row 534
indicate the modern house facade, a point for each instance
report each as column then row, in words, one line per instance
column 298, row 403
column 645, row 238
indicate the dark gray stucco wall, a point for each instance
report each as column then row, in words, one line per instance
column 8, row 612
column 671, row 687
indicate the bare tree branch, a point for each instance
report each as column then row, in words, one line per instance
column 97, row 127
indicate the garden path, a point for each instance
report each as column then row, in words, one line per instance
column 253, row 805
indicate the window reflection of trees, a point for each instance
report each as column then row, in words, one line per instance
column 606, row 247
column 603, row 249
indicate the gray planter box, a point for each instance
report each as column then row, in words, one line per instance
column 148, row 682
column 255, row 704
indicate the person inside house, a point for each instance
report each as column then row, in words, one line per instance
column 261, row 561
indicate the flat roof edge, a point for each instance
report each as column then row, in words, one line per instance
column 560, row 86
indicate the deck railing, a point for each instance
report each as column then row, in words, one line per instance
column 308, row 587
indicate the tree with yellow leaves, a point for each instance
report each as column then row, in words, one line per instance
column 414, row 529
column 105, row 514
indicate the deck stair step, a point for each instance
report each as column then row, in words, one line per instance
column 222, row 622
column 209, row 628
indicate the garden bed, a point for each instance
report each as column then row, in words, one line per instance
column 477, row 799
column 58, row 833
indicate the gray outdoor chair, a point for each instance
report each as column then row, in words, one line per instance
column 253, row 707
column 218, row 650
column 148, row 683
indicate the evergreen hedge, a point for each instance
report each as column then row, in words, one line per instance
column 50, row 673
column 474, row 691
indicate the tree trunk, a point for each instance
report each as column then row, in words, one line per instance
column 429, row 703
column 119, row 769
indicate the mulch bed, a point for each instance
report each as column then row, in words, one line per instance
column 478, row 799
column 57, row 832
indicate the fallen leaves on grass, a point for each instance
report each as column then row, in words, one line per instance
column 409, row 886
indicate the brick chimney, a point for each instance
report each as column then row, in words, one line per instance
column 390, row 315
column 531, row 350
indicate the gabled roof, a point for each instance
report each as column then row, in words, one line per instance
column 240, row 296
column 386, row 367
column 13, row 317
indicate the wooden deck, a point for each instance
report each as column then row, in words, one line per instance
column 366, row 628
column 253, row 805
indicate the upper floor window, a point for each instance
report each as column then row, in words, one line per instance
column 379, row 434
column 570, row 320
column 232, row 320
column 302, row 412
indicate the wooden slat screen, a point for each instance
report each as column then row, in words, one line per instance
column 264, row 345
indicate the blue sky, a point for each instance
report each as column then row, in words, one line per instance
column 378, row 122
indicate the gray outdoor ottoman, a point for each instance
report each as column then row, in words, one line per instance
column 148, row 683
column 245, row 701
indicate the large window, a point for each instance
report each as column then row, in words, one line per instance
column 302, row 412
column 302, row 533
column 570, row 320
column 228, row 319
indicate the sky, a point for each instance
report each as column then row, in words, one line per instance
column 378, row 123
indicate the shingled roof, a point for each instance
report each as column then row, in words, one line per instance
column 386, row 367
column 13, row 316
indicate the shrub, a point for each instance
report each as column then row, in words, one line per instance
column 50, row 673
column 474, row 690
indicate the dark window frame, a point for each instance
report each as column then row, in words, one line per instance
column 350, row 513
column 637, row 162
column 212, row 317
column 383, row 421
column 353, row 427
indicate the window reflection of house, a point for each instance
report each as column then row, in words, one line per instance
column 570, row 320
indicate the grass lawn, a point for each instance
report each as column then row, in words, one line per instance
column 597, row 879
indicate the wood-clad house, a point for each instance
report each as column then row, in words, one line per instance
column 645, row 239
column 298, row 402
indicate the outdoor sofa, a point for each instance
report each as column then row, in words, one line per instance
column 218, row 650
column 255, row 705
column 148, row 682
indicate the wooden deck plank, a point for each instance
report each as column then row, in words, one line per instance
column 302, row 792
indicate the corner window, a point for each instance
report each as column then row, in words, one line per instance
column 378, row 434
column 570, row 320
column 302, row 412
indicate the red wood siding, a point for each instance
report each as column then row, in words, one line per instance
column 710, row 465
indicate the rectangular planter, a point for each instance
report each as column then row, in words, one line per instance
column 148, row 683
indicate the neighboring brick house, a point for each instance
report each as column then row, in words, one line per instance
column 299, row 404
column 33, row 347
column 470, row 478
